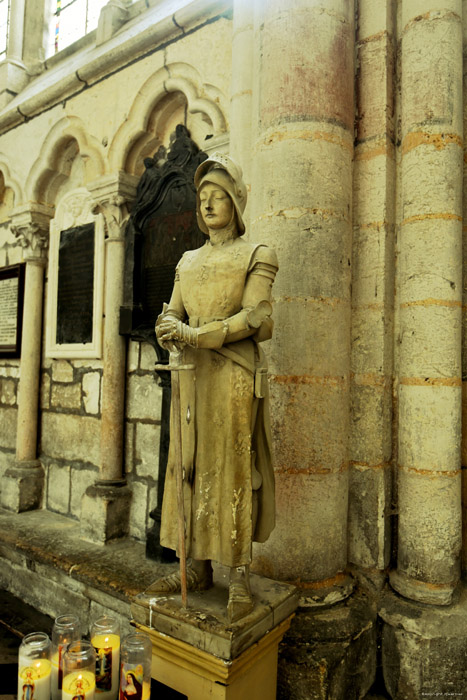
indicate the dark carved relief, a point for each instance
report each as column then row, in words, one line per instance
column 75, row 295
column 161, row 228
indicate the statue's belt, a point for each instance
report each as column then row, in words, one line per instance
column 235, row 357
column 258, row 371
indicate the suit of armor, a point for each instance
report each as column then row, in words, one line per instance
column 219, row 312
column 229, row 490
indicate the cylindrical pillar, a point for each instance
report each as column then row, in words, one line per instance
column 241, row 90
column 23, row 483
column 16, row 30
column 105, row 507
column 114, row 351
column 302, row 206
column 430, row 298
column 464, row 310
column 28, row 395
column 373, row 291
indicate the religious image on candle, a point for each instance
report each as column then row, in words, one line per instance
column 132, row 684
column 107, row 648
column 34, row 681
column 79, row 685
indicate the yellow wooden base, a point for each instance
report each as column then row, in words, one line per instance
column 203, row 676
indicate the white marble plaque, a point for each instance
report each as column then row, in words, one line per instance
column 9, row 289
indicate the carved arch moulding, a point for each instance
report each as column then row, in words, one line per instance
column 51, row 169
column 174, row 89
column 10, row 181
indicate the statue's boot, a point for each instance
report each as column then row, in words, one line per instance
column 240, row 601
column 198, row 578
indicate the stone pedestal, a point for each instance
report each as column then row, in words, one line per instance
column 105, row 511
column 199, row 653
column 22, row 486
column 424, row 648
column 200, row 675
column 330, row 652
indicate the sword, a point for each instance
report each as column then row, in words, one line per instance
column 176, row 366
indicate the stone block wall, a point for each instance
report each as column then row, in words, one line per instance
column 142, row 433
column 9, row 380
column 70, row 431
column 69, row 447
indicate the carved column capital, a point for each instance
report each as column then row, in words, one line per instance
column 112, row 197
column 30, row 226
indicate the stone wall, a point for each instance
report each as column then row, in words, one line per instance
column 9, row 380
column 355, row 179
column 64, row 147
column 143, row 420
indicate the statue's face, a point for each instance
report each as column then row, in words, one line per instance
column 215, row 205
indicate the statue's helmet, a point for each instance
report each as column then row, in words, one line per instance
column 223, row 171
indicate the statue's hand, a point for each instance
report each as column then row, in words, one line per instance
column 172, row 329
column 167, row 329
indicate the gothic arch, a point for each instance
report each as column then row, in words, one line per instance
column 161, row 93
column 65, row 140
column 10, row 182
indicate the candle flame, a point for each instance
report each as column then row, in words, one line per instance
column 106, row 639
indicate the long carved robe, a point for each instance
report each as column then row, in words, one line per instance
column 226, row 439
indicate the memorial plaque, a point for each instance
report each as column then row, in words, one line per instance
column 167, row 237
column 11, row 309
column 75, row 294
column 162, row 227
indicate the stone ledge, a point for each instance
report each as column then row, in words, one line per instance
column 119, row 569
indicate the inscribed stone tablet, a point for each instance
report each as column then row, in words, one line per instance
column 8, row 310
column 11, row 309
column 75, row 296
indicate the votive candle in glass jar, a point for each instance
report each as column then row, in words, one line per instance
column 79, row 666
column 105, row 638
column 66, row 629
column 34, row 667
column 135, row 667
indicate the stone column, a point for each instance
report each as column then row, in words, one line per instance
column 23, row 483
column 464, row 311
column 302, row 206
column 106, row 505
column 13, row 75
column 430, row 298
column 373, row 292
column 25, row 49
column 241, row 91
column 34, row 17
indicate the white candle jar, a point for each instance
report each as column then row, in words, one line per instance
column 135, row 667
column 66, row 629
column 105, row 638
column 79, row 664
column 34, row 667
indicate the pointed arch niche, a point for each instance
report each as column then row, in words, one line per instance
column 76, row 279
column 173, row 95
column 10, row 195
column 70, row 159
